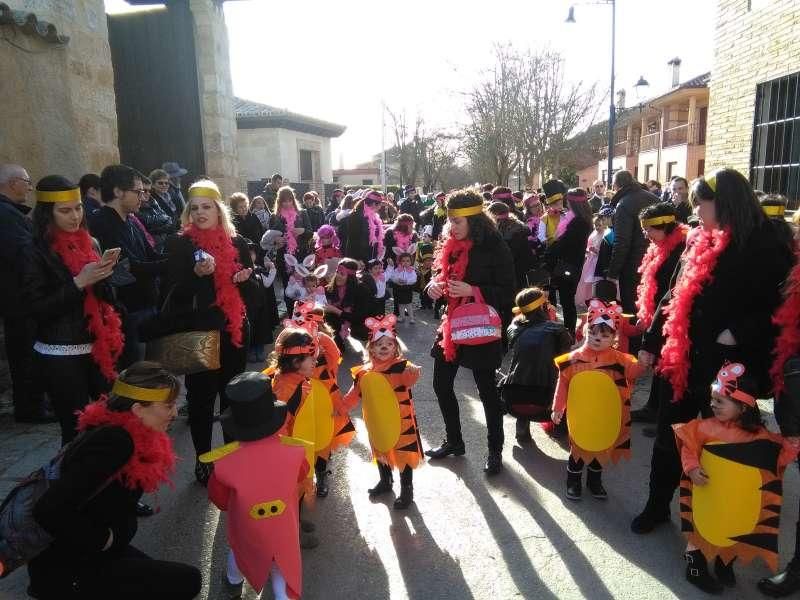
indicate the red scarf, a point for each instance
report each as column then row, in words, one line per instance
column 226, row 260
column 699, row 261
column 153, row 458
column 657, row 253
column 452, row 262
column 787, row 318
column 75, row 250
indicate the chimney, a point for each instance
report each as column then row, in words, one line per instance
column 621, row 100
column 675, row 63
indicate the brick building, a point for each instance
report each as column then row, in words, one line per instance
column 754, row 110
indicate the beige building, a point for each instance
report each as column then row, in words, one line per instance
column 754, row 112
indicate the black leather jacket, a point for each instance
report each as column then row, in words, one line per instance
column 533, row 346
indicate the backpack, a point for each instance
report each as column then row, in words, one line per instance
column 22, row 538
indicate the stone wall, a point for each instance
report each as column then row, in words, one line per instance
column 216, row 94
column 59, row 113
column 754, row 42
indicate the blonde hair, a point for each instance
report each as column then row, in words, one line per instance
column 205, row 188
column 400, row 349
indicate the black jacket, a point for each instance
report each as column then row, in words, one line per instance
column 412, row 207
column 158, row 223
column 145, row 263
column 53, row 300
column 316, row 217
column 684, row 210
column 491, row 268
column 355, row 242
column 516, row 234
column 428, row 217
column 629, row 241
column 570, row 247
column 533, row 346
column 15, row 241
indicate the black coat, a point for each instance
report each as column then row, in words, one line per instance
column 570, row 248
column 53, row 300
column 355, row 243
column 533, row 346
column 316, row 217
column 158, row 223
column 412, row 207
column 684, row 210
column 15, row 241
column 515, row 234
column 629, row 241
column 491, row 268
column 428, row 217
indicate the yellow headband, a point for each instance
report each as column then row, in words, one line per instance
column 777, row 210
column 62, row 196
column 712, row 182
column 204, row 192
column 554, row 198
column 467, row 211
column 530, row 307
column 134, row 392
column 658, row 221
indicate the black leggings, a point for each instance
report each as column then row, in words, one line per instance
column 566, row 298
column 444, row 375
column 126, row 574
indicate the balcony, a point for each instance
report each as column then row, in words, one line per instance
column 621, row 148
column 674, row 136
column 651, row 141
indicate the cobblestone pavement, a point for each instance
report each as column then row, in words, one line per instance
column 514, row 536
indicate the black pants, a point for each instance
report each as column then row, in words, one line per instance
column 628, row 282
column 71, row 382
column 26, row 394
column 126, row 574
column 133, row 350
column 665, row 466
column 444, row 375
column 566, row 297
column 202, row 390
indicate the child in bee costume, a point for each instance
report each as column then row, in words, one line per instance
column 731, row 491
column 383, row 383
column 262, row 503
column 594, row 388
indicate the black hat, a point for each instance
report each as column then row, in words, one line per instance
column 554, row 190
column 253, row 413
column 604, row 290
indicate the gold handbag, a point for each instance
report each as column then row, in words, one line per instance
column 187, row 352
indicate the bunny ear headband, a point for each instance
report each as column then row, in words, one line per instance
column 411, row 249
column 320, row 271
column 379, row 328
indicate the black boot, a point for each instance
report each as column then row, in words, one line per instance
column 724, row 573
column 202, row 472
column 385, row 484
column 523, row 431
column 406, row 496
column 574, row 485
column 446, row 449
column 784, row 583
column 494, row 462
column 646, row 414
column 650, row 518
column 594, row 481
column 321, row 472
column 697, row 573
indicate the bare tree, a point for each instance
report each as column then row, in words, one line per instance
column 436, row 153
column 406, row 143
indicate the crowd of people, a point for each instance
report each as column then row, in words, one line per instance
column 698, row 284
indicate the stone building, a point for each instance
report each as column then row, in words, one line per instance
column 754, row 111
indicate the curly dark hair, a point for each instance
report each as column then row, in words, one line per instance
column 43, row 222
column 661, row 209
column 481, row 227
column 289, row 338
column 735, row 203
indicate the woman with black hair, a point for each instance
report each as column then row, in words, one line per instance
column 473, row 257
column 725, row 291
column 90, row 510
column 364, row 238
column 774, row 207
column 515, row 234
column 66, row 291
column 564, row 256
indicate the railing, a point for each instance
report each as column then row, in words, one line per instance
column 676, row 135
column 621, row 148
column 650, row 141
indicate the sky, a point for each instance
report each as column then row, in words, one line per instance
column 339, row 61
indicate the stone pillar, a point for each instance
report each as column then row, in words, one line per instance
column 216, row 94
column 691, row 120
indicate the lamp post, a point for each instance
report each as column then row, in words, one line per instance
column 612, row 111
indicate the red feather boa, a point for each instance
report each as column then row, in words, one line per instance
column 452, row 263
column 153, row 458
column 787, row 318
column 699, row 261
column 76, row 251
column 657, row 253
column 226, row 264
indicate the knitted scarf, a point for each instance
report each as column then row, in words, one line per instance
column 787, row 317
column 289, row 216
column 375, row 228
column 153, row 458
column 657, row 253
column 226, row 260
column 451, row 262
column 699, row 261
column 75, row 250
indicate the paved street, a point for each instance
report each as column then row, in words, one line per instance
column 515, row 536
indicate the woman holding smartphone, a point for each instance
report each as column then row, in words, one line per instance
column 78, row 330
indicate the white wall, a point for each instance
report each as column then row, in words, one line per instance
column 675, row 154
column 263, row 152
column 649, row 158
column 350, row 179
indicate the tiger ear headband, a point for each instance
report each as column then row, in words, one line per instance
column 601, row 313
column 304, row 317
column 379, row 328
column 727, row 384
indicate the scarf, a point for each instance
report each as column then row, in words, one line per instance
column 452, row 263
column 699, row 261
column 657, row 253
column 153, row 457
column 533, row 225
column 787, row 317
column 75, row 250
column 375, row 229
column 402, row 240
column 218, row 244
column 263, row 217
column 289, row 216
column 563, row 222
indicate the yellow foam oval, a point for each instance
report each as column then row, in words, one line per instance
column 323, row 415
column 381, row 411
column 305, row 428
column 729, row 504
column 594, row 411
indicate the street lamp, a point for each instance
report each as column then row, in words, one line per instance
column 612, row 111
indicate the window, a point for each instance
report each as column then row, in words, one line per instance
column 648, row 171
column 306, row 165
column 701, row 167
column 366, row 182
column 775, row 154
column 671, row 169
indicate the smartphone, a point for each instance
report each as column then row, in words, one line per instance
column 111, row 255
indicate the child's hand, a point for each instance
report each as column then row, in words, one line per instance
column 698, row 476
column 415, row 370
column 556, row 416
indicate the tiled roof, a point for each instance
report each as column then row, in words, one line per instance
column 29, row 23
column 254, row 115
column 698, row 82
